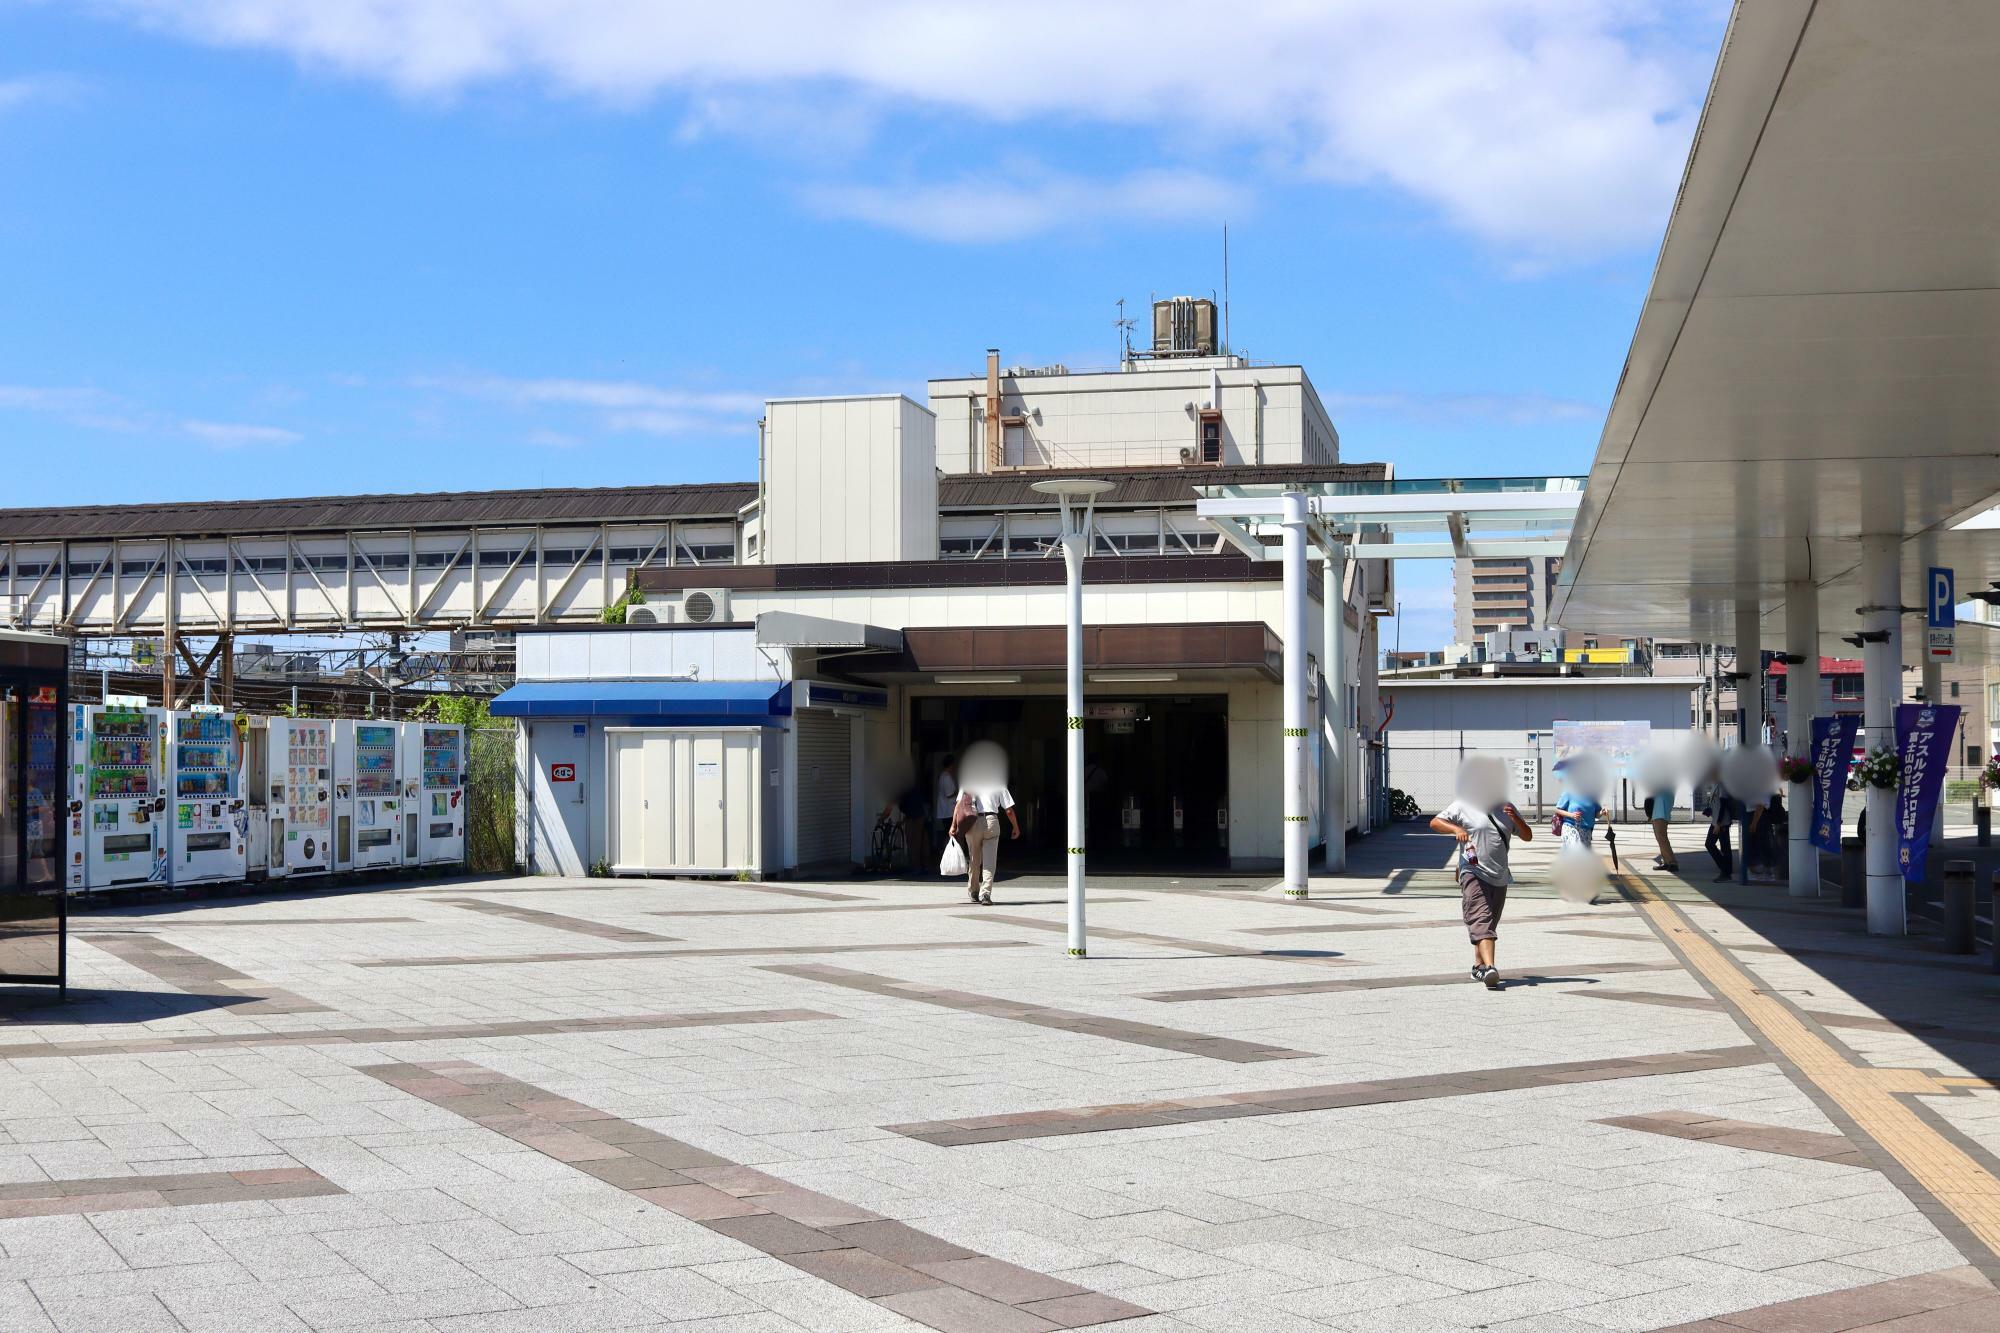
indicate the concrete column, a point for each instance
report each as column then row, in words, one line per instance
column 1335, row 743
column 1294, row 520
column 1801, row 701
column 1882, row 690
column 1749, row 703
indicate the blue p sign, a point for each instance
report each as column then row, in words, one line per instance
column 1944, row 599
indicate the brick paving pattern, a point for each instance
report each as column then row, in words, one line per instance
column 930, row 1280
column 987, row 1134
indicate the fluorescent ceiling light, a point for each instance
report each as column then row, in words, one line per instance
column 997, row 678
column 1131, row 677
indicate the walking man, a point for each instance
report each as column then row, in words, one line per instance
column 1483, row 839
column 978, row 818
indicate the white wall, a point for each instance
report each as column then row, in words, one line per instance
column 849, row 479
column 1135, row 418
column 1497, row 717
column 651, row 653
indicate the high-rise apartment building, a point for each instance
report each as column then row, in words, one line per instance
column 1504, row 593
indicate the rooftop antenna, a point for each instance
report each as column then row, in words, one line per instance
column 1124, row 326
column 1226, row 344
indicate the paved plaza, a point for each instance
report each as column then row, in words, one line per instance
column 530, row 1104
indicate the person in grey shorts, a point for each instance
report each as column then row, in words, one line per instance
column 1483, row 839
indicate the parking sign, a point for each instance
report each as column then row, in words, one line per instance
column 1941, row 615
column 1943, row 611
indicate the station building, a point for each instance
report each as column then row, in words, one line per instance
column 900, row 594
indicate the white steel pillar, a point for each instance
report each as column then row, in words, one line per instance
column 1079, row 513
column 1749, row 702
column 1882, row 690
column 1334, row 745
column 1801, row 702
column 1294, row 521
column 1073, row 549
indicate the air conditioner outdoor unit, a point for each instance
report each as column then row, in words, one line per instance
column 704, row 606
column 641, row 615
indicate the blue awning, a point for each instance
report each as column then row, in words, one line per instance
column 680, row 701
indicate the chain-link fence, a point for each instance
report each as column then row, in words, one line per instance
column 1428, row 774
column 489, row 796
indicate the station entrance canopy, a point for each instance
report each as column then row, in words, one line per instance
column 1814, row 361
column 1438, row 518
column 1434, row 519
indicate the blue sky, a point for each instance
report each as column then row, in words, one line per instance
column 265, row 247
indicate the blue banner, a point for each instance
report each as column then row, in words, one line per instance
column 1923, row 743
column 1832, row 754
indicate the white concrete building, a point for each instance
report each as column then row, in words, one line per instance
column 1170, row 412
column 883, row 617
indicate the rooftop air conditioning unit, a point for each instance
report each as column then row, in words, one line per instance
column 641, row 615
column 704, row 606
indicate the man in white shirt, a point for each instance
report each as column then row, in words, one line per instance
column 981, row 828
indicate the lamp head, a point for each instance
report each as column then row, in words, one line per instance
column 1073, row 488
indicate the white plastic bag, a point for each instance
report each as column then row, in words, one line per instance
column 952, row 863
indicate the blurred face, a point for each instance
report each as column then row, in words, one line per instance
column 1750, row 774
column 1587, row 774
column 984, row 764
column 1482, row 781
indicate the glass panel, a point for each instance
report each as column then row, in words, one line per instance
column 10, row 793
column 44, row 785
column 30, row 936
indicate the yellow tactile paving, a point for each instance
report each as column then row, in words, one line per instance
column 1868, row 1095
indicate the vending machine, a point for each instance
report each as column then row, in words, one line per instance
column 118, row 793
column 367, row 796
column 434, row 787
column 210, row 824
column 300, row 807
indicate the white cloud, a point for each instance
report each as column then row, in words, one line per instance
column 1514, row 409
column 1554, row 129
column 616, row 405
column 238, row 435
column 19, row 90
column 989, row 208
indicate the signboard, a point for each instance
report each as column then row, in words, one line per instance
column 1941, row 614
column 1923, row 743
column 1528, row 774
column 562, row 772
column 710, row 770
column 1832, row 753
column 1618, row 742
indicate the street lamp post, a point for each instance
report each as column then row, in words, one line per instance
column 1079, row 509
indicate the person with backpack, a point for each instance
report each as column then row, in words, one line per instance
column 1483, row 837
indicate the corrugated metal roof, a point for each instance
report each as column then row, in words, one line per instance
column 594, row 504
column 1141, row 486
column 338, row 513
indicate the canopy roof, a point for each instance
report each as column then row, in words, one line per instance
column 1815, row 359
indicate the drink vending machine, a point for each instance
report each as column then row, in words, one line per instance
column 367, row 796
column 118, row 793
column 301, row 796
column 434, row 788
column 210, row 824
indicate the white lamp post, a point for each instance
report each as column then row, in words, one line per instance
column 1079, row 508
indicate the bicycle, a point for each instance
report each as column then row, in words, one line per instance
column 887, row 848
